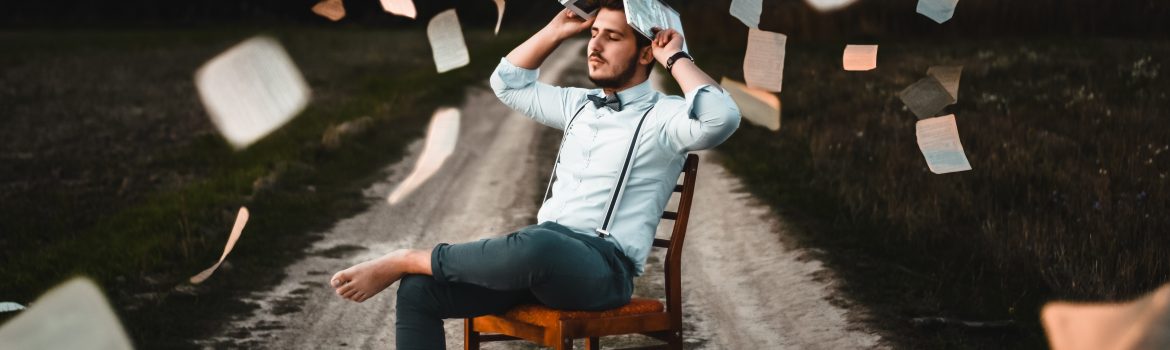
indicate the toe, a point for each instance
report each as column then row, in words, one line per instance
column 339, row 279
column 349, row 294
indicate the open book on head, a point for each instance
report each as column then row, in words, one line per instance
column 584, row 8
column 646, row 15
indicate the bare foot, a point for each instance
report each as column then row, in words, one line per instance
column 363, row 281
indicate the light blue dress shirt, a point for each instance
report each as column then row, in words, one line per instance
column 596, row 145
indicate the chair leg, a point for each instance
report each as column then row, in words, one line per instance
column 676, row 341
column 470, row 336
column 565, row 344
column 592, row 343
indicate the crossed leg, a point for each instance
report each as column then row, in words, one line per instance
column 364, row 280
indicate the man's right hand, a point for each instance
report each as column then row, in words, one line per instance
column 533, row 51
column 566, row 24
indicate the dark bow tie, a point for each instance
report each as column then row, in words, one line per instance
column 611, row 101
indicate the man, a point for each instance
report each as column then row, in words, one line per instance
column 592, row 238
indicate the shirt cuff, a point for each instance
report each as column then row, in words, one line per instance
column 515, row 77
column 693, row 95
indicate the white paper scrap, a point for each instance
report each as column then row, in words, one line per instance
column 948, row 76
column 73, row 315
column 938, row 10
column 447, row 43
column 860, row 57
column 829, row 5
column 9, row 306
column 763, row 65
column 1143, row 323
column 500, row 18
column 748, row 11
column 334, row 10
column 938, row 138
column 442, row 136
column 251, row 90
column 404, row 8
column 757, row 106
column 237, row 229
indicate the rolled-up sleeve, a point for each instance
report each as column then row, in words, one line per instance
column 546, row 104
column 709, row 118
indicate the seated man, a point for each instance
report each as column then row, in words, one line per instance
column 586, row 250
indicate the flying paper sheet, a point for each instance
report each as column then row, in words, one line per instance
column 757, row 106
column 334, row 10
column 748, row 11
column 763, row 65
column 500, row 18
column 251, row 90
column 73, row 315
column 9, row 306
column 442, row 135
column 948, row 76
column 447, row 41
column 938, row 10
column 926, row 97
column 645, row 15
column 1140, row 324
column 241, row 219
column 938, row 138
column 829, row 5
column 860, row 57
column 404, row 8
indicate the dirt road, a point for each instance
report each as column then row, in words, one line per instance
column 743, row 288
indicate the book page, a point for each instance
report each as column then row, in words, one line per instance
column 860, row 57
column 334, row 10
column 757, row 106
column 948, row 76
column 404, row 8
column 748, row 11
column 251, row 89
column 926, row 97
column 763, row 65
column 74, row 315
column 447, row 43
column 938, row 138
column 938, row 10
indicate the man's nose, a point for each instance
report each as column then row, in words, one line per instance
column 593, row 46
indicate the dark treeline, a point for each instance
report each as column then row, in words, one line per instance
column 865, row 19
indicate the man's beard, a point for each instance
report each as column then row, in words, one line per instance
column 618, row 80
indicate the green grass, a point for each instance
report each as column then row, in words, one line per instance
column 141, row 242
column 1067, row 199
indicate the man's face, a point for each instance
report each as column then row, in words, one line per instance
column 613, row 50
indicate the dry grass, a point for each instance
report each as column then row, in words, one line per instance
column 1068, row 197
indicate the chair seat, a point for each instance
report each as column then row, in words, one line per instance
column 544, row 316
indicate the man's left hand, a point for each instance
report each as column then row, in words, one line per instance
column 666, row 43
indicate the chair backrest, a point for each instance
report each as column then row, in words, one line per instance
column 674, row 245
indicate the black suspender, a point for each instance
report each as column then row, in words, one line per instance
column 616, row 191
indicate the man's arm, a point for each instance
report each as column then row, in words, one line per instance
column 711, row 115
column 514, row 80
column 532, row 53
column 689, row 76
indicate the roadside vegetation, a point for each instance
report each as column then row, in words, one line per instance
column 112, row 170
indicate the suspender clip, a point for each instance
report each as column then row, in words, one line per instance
column 602, row 233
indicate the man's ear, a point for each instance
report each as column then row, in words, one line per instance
column 646, row 56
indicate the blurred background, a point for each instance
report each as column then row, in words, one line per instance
column 110, row 168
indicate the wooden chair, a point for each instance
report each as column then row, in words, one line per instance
column 558, row 328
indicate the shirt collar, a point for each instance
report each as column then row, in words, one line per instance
column 634, row 94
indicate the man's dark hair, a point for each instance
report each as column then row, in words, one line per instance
column 641, row 41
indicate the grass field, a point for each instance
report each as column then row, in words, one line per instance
column 1068, row 197
column 112, row 170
